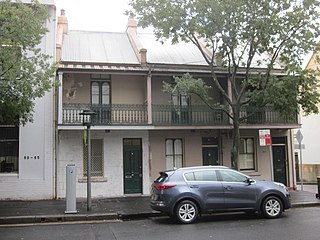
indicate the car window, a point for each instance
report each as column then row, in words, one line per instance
column 231, row 176
column 189, row 176
column 201, row 176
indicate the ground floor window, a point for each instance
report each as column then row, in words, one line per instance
column 9, row 149
column 96, row 158
column 246, row 154
column 174, row 153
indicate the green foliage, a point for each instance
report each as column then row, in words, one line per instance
column 288, row 92
column 259, row 43
column 187, row 84
column 243, row 35
column 25, row 72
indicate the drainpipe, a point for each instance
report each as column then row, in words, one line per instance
column 57, row 120
column 54, row 182
column 55, row 143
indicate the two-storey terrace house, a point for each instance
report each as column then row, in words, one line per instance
column 27, row 152
column 139, row 129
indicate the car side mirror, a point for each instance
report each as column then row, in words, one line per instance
column 250, row 181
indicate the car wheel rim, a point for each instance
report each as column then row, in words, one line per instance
column 273, row 207
column 187, row 212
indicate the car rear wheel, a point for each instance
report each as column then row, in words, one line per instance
column 272, row 207
column 187, row 212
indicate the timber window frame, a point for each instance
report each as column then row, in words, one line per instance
column 247, row 151
column 174, row 153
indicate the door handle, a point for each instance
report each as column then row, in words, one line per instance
column 194, row 186
column 228, row 187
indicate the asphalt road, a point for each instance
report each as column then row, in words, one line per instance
column 296, row 224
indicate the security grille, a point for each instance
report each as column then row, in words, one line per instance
column 96, row 158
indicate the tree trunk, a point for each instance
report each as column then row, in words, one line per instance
column 236, row 138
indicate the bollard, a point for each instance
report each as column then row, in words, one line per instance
column 318, row 182
column 71, row 202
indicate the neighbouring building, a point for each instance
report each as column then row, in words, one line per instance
column 27, row 152
column 139, row 130
column 309, row 145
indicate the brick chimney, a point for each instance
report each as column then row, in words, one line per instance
column 62, row 28
column 132, row 33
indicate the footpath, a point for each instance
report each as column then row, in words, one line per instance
column 123, row 208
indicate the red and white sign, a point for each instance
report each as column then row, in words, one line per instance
column 265, row 137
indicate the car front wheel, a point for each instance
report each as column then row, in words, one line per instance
column 272, row 207
column 186, row 212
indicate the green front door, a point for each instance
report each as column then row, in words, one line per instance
column 132, row 165
column 210, row 156
column 279, row 164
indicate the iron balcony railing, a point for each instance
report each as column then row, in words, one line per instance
column 135, row 114
column 266, row 115
column 106, row 114
column 187, row 115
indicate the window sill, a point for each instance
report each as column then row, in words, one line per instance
column 252, row 173
column 93, row 179
column 9, row 175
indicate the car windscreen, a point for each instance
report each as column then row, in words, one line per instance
column 163, row 176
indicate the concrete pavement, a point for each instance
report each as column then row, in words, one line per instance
column 123, row 208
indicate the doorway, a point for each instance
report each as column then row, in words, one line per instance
column 210, row 151
column 132, row 165
column 279, row 160
column 210, row 156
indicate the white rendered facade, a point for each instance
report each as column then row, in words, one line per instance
column 35, row 176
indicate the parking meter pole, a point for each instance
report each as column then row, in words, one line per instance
column 301, row 178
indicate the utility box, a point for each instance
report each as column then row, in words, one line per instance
column 71, row 199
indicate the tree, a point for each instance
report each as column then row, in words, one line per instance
column 25, row 72
column 243, row 35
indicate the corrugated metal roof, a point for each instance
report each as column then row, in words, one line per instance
column 187, row 53
column 92, row 50
column 168, row 53
column 101, row 47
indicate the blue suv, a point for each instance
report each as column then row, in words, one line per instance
column 186, row 193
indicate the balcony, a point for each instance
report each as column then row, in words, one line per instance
column 190, row 115
column 106, row 114
column 266, row 115
column 168, row 115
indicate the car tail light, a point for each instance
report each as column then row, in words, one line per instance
column 164, row 186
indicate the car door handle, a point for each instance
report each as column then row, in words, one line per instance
column 194, row 186
column 228, row 187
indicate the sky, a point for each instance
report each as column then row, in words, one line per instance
column 95, row 15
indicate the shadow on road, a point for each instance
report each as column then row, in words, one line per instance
column 216, row 217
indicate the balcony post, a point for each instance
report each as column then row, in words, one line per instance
column 149, row 101
column 59, row 98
